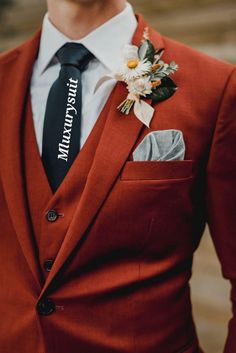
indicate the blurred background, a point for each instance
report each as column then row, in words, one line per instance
column 209, row 26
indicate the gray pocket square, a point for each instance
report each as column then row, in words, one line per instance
column 162, row 145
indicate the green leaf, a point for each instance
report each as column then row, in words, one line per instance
column 164, row 91
column 146, row 51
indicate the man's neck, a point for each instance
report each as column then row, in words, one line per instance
column 77, row 19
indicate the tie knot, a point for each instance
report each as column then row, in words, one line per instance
column 74, row 54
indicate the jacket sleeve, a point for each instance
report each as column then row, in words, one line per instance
column 221, row 195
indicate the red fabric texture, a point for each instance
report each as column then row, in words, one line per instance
column 124, row 244
column 49, row 236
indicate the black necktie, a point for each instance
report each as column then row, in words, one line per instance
column 62, row 123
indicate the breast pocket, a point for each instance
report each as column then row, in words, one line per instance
column 157, row 170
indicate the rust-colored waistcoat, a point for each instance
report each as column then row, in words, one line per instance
column 49, row 235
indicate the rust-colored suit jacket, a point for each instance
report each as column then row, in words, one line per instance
column 120, row 281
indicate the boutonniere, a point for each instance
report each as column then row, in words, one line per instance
column 147, row 76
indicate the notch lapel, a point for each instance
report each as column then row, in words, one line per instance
column 119, row 136
column 16, row 70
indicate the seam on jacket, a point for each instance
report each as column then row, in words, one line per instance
column 222, row 100
column 218, row 115
column 212, row 145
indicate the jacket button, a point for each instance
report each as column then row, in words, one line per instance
column 48, row 265
column 52, row 215
column 45, row 307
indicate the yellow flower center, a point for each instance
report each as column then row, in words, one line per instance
column 132, row 64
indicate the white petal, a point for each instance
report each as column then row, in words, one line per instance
column 130, row 52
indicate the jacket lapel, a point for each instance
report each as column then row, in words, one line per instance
column 119, row 135
column 16, row 70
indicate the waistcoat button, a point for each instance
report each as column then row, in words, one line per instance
column 52, row 215
column 48, row 265
column 45, row 307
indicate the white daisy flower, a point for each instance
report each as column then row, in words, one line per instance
column 132, row 67
column 140, row 87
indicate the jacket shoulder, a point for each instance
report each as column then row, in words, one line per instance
column 12, row 53
column 8, row 55
column 196, row 62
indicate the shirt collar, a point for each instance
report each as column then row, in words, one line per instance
column 105, row 43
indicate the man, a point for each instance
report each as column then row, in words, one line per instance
column 97, row 241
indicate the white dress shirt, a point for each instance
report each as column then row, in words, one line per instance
column 105, row 43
